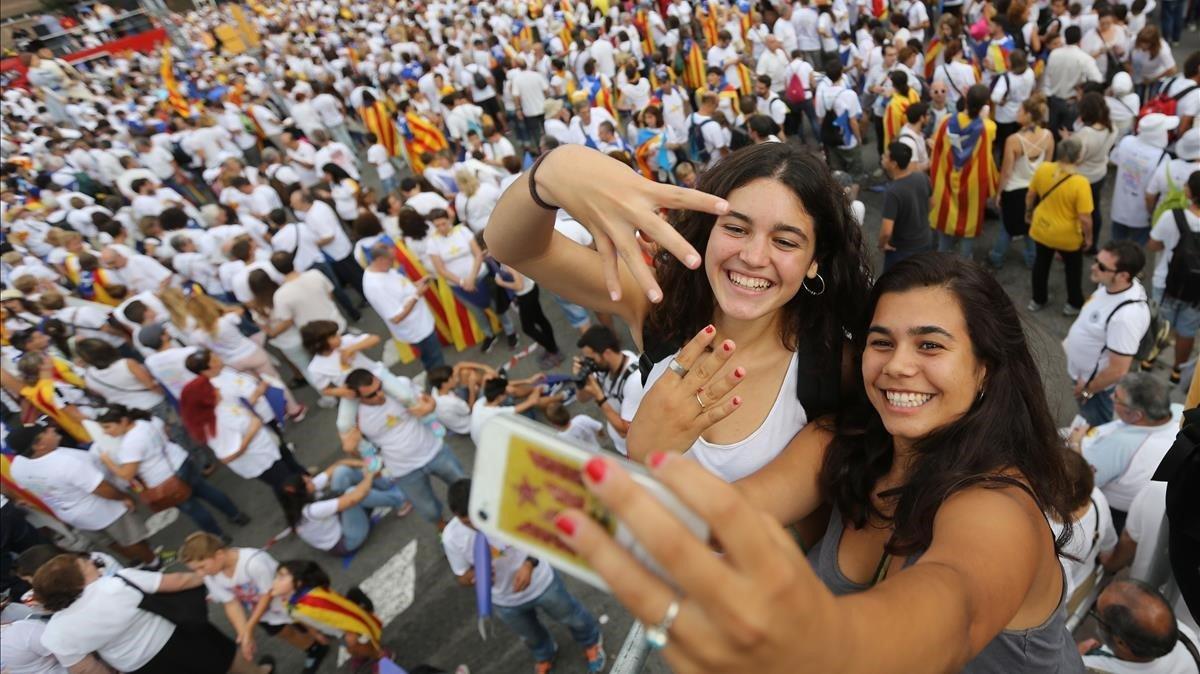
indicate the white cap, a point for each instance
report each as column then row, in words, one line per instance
column 1153, row 128
column 1188, row 146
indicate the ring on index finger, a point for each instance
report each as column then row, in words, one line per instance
column 657, row 635
column 674, row 366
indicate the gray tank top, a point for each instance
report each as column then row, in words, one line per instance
column 1046, row 648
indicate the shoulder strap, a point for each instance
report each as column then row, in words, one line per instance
column 1181, row 222
column 128, row 582
column 1096, row 526
column 1054, row 187
column 1187, row 643
column 1179, row 96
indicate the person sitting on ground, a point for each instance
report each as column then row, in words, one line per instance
column 496, row 401
column 1125, row 452
column 455, row 389
column 581, row 428
column 1139, row 633
column 329, row 511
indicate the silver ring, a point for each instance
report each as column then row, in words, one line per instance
column 674, row 366
column 702, row 405
column 656, row 635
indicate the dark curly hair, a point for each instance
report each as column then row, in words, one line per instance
column 1009, row 428
column 688, row 301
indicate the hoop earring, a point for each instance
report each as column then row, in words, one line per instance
column 810, row 291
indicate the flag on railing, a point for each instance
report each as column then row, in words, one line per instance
column 179, row 103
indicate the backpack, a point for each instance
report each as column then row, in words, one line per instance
column 1164, row 104
column 1180, row 469
column 795, row 92
column 1173, row 199
column 831, row 133
column 697, row 148
column 480, row 81
column 1183, row 272
column 1157, row 334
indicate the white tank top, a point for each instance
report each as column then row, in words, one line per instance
column 737, row 460
column 1024, row 167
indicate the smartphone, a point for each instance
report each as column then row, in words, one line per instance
column 525, row 474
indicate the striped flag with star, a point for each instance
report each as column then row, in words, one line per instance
column 964, row 174
column 179, row 102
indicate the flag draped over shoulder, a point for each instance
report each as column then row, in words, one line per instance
column 894, row 115
column 91, row 285
column 708, row 24
column 693, row 65
column 964, row 174
column 324, row 607
column 600, row 94
column 745, row 80
column 933, row 51
column 42, row 396
column 651, row 143
column 175, row 97
column 377, row 117
column 420, row 135
column 22, row 494
column 642, row 22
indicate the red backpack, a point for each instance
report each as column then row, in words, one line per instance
column 795, row 92
column 1163, row 103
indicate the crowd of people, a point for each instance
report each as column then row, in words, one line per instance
column 193, row 236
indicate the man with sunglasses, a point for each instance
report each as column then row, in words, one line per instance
column 412, row 453
column 1139, row 633
column 1104, row 338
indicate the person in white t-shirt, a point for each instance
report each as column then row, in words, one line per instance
column 455, row 390
column 1092, row 531
column 412, row 453
column 399, row 302
column 521, row 584
column 1125, row 452
column 145, row 453
column 377, row 156
column 1166, row 236
column 493, row 402
column 238, row 579
column 1140, row 633
column 331, row 510
column 98, row 620
column 580, row 429
column 71, row 483
column 1103, row 340
column 458, row 259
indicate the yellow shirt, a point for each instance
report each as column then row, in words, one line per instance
column 1056, row 218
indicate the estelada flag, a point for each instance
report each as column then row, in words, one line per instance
column 600, row 93
column 377, row 117
column 420, row 136
column 42, row 396
column 642, row 22
column 22, row 495
column 454, row 323
column 933, row 51
column 693, row 65
column 894, row 115
column 745, row 80
column 708, row 24
column 964, row 174
column 179, row 102
column 325, row 607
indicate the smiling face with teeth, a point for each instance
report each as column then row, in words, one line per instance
column 919, row 367
column 759, row 253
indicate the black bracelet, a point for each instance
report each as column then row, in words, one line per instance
column 602, row 401
column 533, row 185
column 533, row 561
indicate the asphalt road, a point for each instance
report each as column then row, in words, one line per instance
column 437, row 627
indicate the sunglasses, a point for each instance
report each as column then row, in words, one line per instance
column 1103, row 267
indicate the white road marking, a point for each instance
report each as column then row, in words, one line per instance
column 392, row 588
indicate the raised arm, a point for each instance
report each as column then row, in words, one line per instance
column 612, row 202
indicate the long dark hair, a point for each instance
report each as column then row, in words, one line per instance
column 306, row 574
column 293, row 496
column 839, row 250
column 1009, row 428
column 263, row 287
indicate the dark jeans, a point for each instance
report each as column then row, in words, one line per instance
column 800, row 112
column 1139, row 235
column 281, row 470
column 534, row 322
column 1097, row 214
column 430, row 351
column 891, row 257
column 339, row 293
column 1073, row 265
column 1172, row 19
column 559, row 604
column 201, row 489
column 1098, row 409
column 534, row 126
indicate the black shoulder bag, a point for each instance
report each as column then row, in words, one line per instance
column 186, row 609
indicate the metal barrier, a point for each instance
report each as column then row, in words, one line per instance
column 633, row 653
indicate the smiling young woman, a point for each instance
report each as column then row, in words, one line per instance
column 762, row 264
column 941, row 472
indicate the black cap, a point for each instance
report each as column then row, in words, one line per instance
column 21, row 439
column 151, row 336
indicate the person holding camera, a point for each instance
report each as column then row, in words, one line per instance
column 609, row 376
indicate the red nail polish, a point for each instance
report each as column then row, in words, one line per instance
column 596, row 468
column 709, row 330
column 739, row 373
column 737, row 401
column 656, row 458
column 565, row 525
column 727, row 345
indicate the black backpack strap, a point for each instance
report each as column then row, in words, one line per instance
column 1191, row 647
